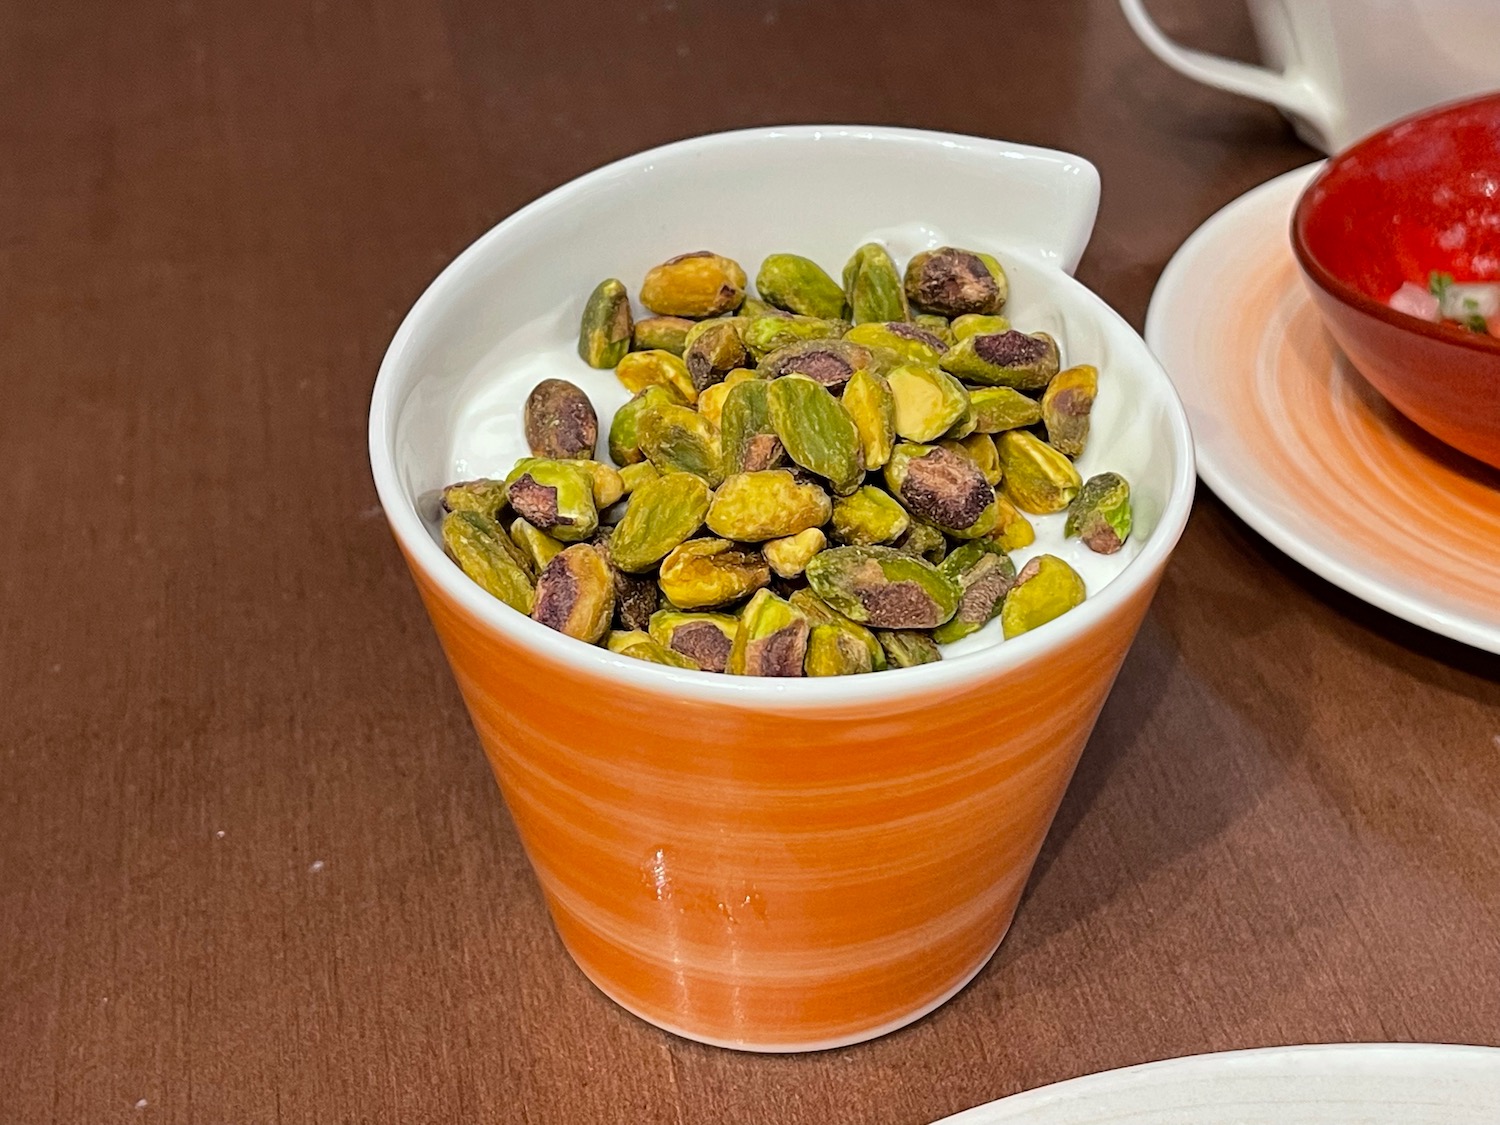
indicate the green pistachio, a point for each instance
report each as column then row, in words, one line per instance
column 634, row 475
column 798, row 284
column 867, row 397
column 1066, row 406
column 1003, row 408
column 883, row 587
column 697, row 285
column 708, row 573
column 928, row 401
column 834, row 651
column 639, row 645
column 771, row 639
column 604, row 332
column 816, row 431
column 748, row 439
column 660, row 333
column 662, row 513
column 559, row 421
column 872, row 286
column 713, row 349
column 1100, row 513
column 485, row 496
column 788, row 557
column 480, row 548
column 770, row 504
column 868, row 515
column 1004, row 359
column 624, row 430
column 554, row 496
column 1038, row 478
column 1045, row 589
column 984, row 573
column 702, row 638
column 679, row 439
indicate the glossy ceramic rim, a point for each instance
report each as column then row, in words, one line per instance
column 423, row 552
column 1346, row 294
column 1262, row 518
column 1065, row 1103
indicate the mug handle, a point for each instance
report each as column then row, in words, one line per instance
column 1295, row 96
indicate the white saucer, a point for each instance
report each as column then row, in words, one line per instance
column 1340, row 1084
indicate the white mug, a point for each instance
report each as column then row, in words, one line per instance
column 1340, row 69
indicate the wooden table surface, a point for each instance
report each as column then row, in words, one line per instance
column 253, row 867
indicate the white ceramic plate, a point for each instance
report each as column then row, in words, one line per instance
column 1297, row 443
column 1342, row 1084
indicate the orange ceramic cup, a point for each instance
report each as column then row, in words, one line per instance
column 773, row 864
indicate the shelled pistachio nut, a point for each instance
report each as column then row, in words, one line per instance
column 834, row 651
column 1004, row 359
column 485, row 496
column 559, row 421
column 478, row 545
column 713, row 349
column 770, row 504
column 1100, row 513
column 928, row 401
column 868, row 399
column 604, row 332
column 661, row 514
column 799, row 285
column 943, row 488
column 829, row 362
column 872, row 286
column 788, row 557
column 883, row 588
column 1066, row 406
column 660, row 333
column 1045, row 589
column 709, row 573
column 1002, row 408
column 697, row 285
column 816, row 431
column 536, row 545
column 1038, row 478
column 985, row 574
column 977, row 324
column 867, row 516
column 575, row 594
column 764, row 334
column 771, row 639
column 953, row 282
column 1012, row 530
column 679, row 439
column 703, row 638
column 554, row 496
column 747, row 438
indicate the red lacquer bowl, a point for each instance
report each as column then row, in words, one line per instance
column 1422, row 194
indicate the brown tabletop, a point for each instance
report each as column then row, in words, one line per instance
column 253, row 867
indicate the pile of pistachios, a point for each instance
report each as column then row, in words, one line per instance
column 818, row 479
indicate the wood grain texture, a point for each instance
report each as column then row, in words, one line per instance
column 212, row 217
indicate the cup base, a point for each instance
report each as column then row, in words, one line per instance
column 768, row 1047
